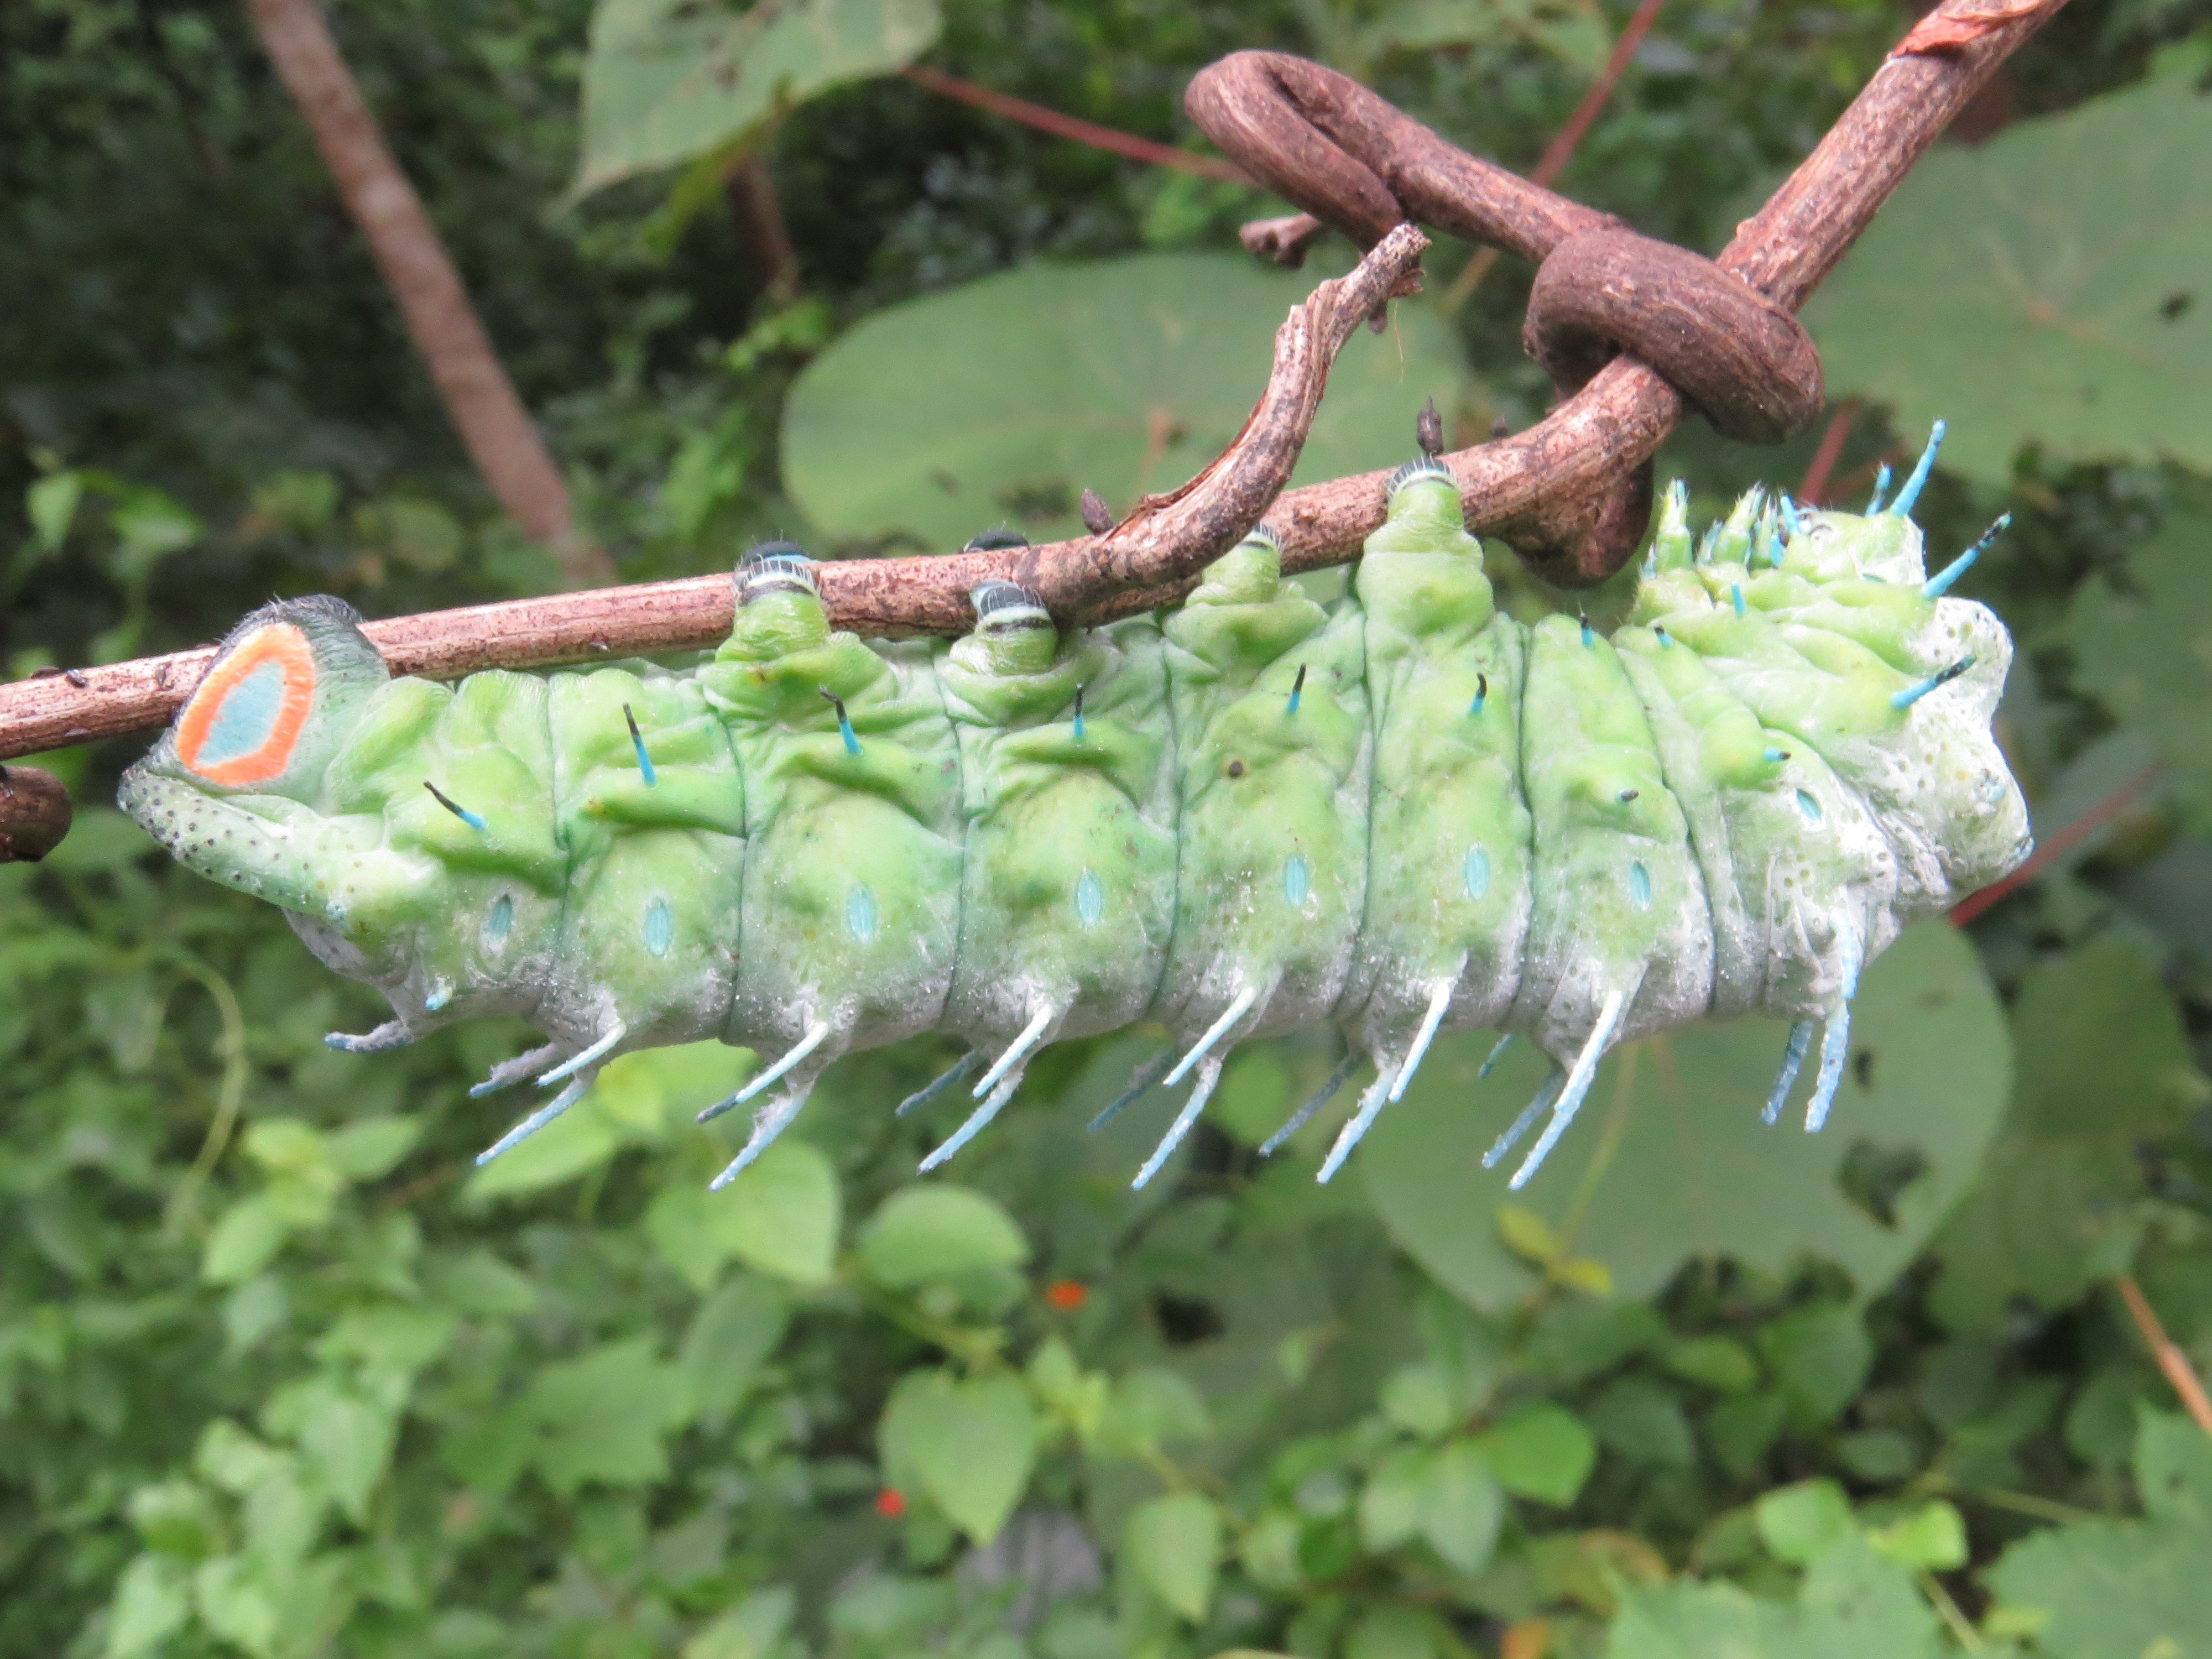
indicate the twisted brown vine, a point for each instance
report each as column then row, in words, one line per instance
column 1632, row 331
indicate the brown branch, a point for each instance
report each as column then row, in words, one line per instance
column 1560, row 481
column 1138, row 564
column 1070, row 126
column 1561, row 150
column 2179, row 1373
column 479, row 399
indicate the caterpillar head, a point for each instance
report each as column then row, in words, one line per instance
column 286, row 687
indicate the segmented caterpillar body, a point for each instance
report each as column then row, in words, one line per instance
column 1406, row 814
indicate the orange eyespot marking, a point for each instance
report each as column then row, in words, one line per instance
column 242, row 724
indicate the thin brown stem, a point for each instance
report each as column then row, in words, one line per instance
column 2164, row 1349
column 479, row 399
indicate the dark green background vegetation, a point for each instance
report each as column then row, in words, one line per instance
column 279, row 1376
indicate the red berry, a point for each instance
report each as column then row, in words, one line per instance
column 890, row 1503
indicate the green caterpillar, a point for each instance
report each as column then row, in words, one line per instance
column 1251, row 814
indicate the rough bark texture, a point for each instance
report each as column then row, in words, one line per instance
column 480, row 401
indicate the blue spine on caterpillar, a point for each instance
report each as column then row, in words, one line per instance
column 1404, row 815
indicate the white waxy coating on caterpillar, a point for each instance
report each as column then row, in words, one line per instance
column 1405, row 815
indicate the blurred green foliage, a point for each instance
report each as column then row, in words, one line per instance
column 280, row 1375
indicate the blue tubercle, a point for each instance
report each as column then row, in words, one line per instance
column 637, row 742
column 1209, row 1077
column 1314, row 1102
column 937, row 1085
column 1590, row 636
column 474, row 820
column 1880, row 490
column 844, row 722
column 1298, row 690
column 539, row 1119
column 1907, row 497
column 1521, row 1125
column 1793, row 1058
column 1080, row 735
column 1139, row 1080
column 1481, row 693
column 1497, row 1051
column 1939, row 584
column 1775, row 757
column 1735, row 596
column 1912, row 694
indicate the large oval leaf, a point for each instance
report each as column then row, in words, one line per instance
column 2054, row 285
column 1679, row 1166
column 667, row 81
column 1000, row 401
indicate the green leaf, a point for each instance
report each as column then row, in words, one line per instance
column 51, row 504
column 1821, row 1357
column 1695, row 1174
column 2173, row 1468
column 732, row 1335
column 371, row 1147
column 346, row 1439
column 603, row 1416
column 782, row 1214
column 970, row 1445
column 1641, row 1419
column 2046, row 286
column 243, row 1243
column 236, row 1604
column 393, row 1337
column 1149, row 1408
column 1932, row 1539
column 1721, row 1362
column 1464, row 1507
column 1391, row 1502
column 1851, row 1605
column 938, row 1234
column 669, row 81
column 2122, row 1590
column 1002, row 401
column 1528, row 1235
column 2105, row 1065
column 1173, row 1546
column 149, row 524
column 1801, row 1522
column 153, row 1598
column 1540, row 1451
column 2143, row 646
column 1419, row 1397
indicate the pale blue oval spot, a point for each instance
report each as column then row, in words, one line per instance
column 860, row 913
column 441, row 992
column 660, row 927
column 499, row 922
column 1639, row 885
column 1090, row 900
column 1474, row 871
column 1809, row 806
column 247, row 717
column 1297, row 879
